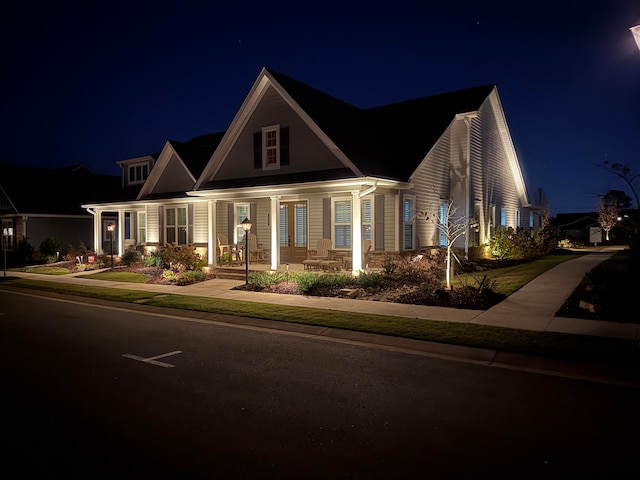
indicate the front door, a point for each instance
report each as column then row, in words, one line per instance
column 293, row 232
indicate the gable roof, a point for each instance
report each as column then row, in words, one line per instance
column 53, row 191
column 375, row 139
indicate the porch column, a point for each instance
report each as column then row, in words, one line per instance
column 212, row 241
column 120, row 232
column 356, row 232
column 97, row 233
column 274, row 203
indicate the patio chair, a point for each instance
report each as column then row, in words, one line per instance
column 256, row 252
column 224, row 246
column 321, row 253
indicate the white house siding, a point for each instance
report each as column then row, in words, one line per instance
column 390, row 223
column 315, row 219
column 307, row 152
column 153, row 228
column 200, row 223
column 222, row 219
column 263, row 222
column 431, row 184
column 492, row 179
column 175, row 178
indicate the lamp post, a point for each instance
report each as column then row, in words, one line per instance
column 6, row 233
column 246, row 226
column 111, row 228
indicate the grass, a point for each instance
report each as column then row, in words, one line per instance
column 559, row 345
column 510, row 279
column 130, row 277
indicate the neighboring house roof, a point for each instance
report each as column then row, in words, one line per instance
column 53, row 191
column 575, row 221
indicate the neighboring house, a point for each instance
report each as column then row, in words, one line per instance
column 303, row 165
column 38, row 203
column 576, row 226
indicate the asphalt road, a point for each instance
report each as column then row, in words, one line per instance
column 99, row 392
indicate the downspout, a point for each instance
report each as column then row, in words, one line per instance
column 369, row 190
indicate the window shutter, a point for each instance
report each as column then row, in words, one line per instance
column 378, row 211
column 231, row 227
column 190, row 223
column 161, row 232
column 284, row 146
column 326, row 218
column 257, row 150
column 253, row 215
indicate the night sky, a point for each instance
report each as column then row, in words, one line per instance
column 98, row 82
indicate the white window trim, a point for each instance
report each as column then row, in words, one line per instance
column 238, row 221
column 517, row 218
column 334, row 200
column 140, row 227
column 265, row 131
column 133, row 167
column 186, row 225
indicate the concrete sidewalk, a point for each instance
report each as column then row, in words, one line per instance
column 532, row 307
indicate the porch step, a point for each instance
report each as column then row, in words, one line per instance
column 231, row 273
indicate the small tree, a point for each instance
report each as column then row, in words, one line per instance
column 608, row 213
column 540, row 199
column 451, row 225
column 625, row 173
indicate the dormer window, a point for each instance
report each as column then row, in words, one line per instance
column 138, row 173
column 271, row 148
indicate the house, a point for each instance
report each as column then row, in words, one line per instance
column 37, row 203
column 303, row 165
column 576, row 226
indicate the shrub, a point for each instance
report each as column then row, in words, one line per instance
column 191, row 276
column 369, row 279
column 180, row 257
column 50, row 246
column 131, row 256
column 154, row 259
column 262, row 280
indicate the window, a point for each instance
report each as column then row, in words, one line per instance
column 503, row 217
column 138, row 173
column 530, row 219
column 367, row 216
column 342, row 223
column 444, row 221
column 407, row 209
column 127, row 225
column 271, row 147
column 142, row 227
column 176, row 225
column 517, row 218
column 241, row 212
column 271, row 159
column 300, row 219
column 8, row 235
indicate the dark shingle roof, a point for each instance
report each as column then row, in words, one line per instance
column 390, row 140
column 196, row 152
column 60, row 191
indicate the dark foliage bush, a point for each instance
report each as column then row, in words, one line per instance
column 131, row 256
column 180, row 257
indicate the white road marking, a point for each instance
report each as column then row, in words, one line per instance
column 152, row 360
